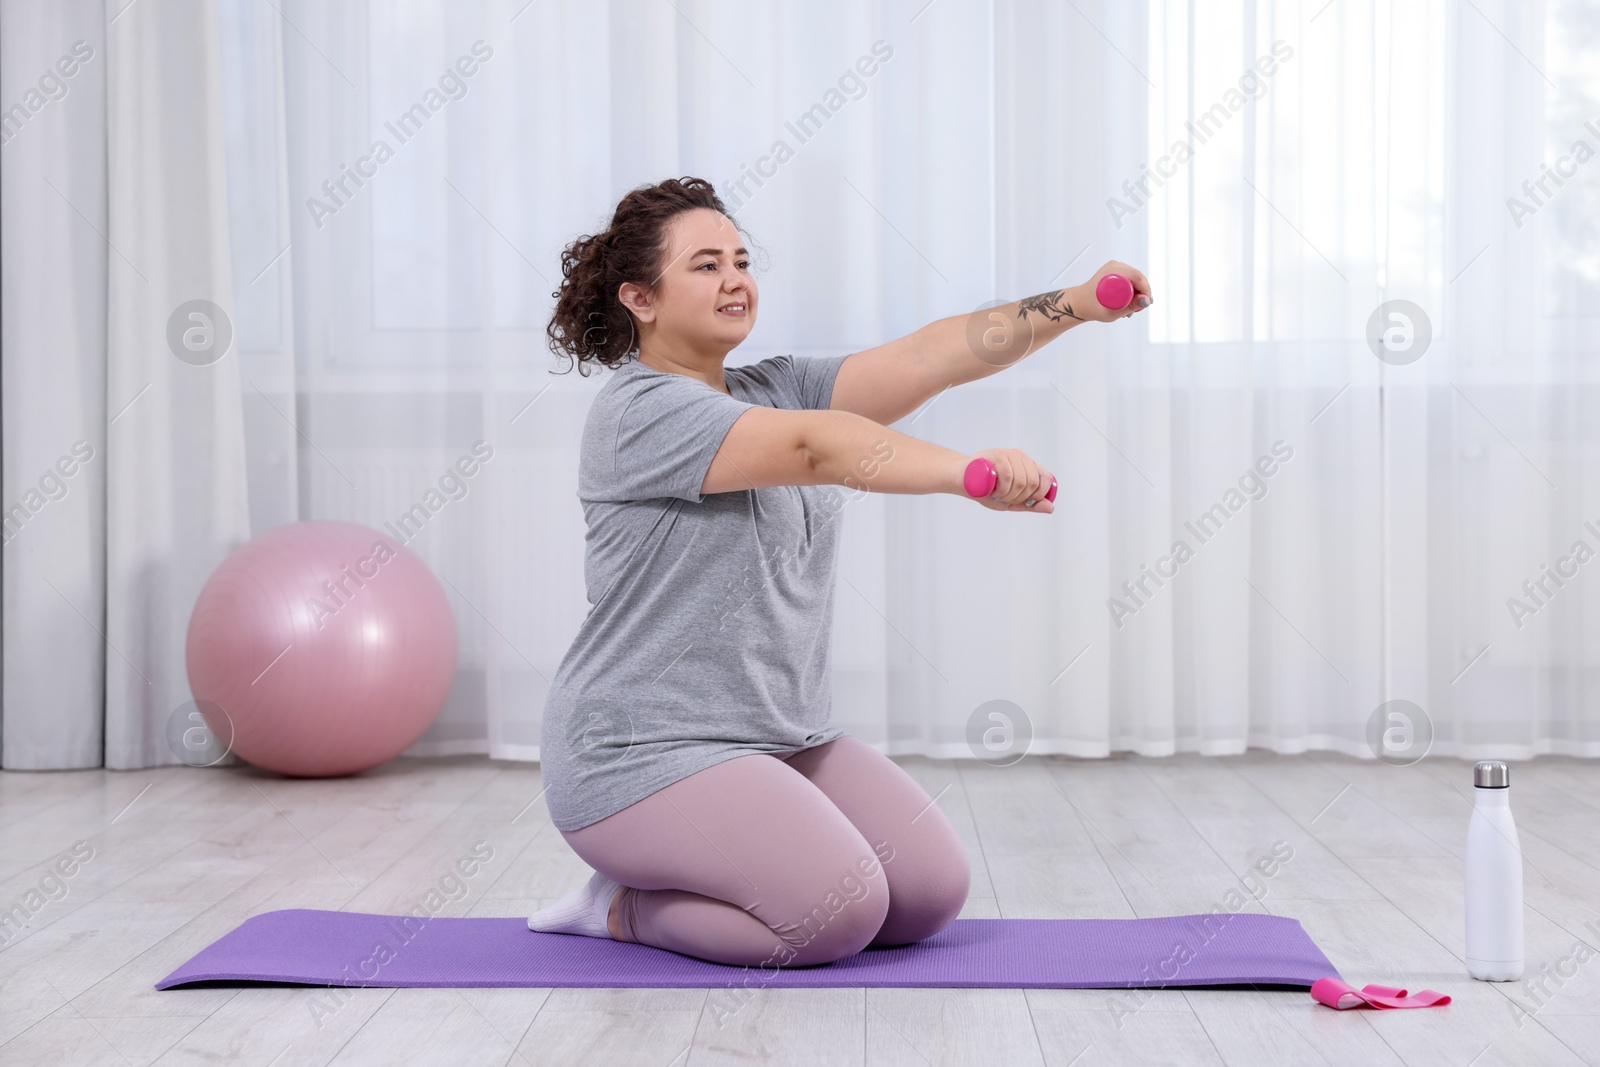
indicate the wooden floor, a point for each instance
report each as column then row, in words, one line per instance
column 181, row 856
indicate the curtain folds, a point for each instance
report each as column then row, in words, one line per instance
column 116, row 356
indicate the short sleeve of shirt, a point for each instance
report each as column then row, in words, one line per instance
column 796, row 382
column 666, row 431
column 814, row 377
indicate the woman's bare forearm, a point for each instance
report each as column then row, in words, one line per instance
column 965, row 348
column 850, row 450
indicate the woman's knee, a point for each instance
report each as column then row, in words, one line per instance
column 930, row 889
column 840, row 912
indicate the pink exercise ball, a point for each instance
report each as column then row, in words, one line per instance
column 320, row 649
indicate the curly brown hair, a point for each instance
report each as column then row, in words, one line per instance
column 588, row 323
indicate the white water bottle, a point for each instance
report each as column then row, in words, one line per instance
column 1493, row 878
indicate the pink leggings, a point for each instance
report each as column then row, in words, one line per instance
column 785, row 860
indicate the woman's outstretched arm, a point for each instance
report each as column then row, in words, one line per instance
column 889, row 382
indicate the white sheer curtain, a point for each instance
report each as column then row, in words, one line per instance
column 994, row 151
column 978, row 162
column 124, row 448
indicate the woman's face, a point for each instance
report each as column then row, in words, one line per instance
column 706, row 297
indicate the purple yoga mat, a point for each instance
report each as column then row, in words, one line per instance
column 339, row 948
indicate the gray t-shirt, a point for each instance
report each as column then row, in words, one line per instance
column 708, row 635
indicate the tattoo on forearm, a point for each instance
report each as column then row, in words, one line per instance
column 1054, row 307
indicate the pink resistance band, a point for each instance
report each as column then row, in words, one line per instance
column 1337, row 994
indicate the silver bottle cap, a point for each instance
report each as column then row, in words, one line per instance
column 1491, row 774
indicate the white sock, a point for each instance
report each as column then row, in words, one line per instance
column 582, row 911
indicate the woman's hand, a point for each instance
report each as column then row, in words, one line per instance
column 1020, row 485
column 1091, row 309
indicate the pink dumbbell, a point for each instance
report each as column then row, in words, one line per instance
column 1114, row 292
column 981, row 478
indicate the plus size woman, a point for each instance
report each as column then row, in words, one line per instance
column 686, row 749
